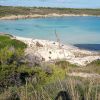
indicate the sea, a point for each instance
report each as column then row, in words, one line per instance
column 81, row 31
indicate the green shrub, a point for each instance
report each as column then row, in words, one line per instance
column 6, row 41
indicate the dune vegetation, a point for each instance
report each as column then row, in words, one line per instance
column 46, row 81
column 7, row 41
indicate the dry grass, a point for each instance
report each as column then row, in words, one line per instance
column 75, row 89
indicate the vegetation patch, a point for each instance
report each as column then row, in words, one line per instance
column 19, row 81
column 8, row 10
column 93, row 67
column 6, row 41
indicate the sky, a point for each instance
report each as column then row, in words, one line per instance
column 53, row 3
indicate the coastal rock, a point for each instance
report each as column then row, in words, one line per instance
column 38, row 44
column 33, row 60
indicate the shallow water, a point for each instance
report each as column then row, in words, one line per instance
column 74, row 30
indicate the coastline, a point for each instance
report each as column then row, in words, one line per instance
column 15, row 17
column 11, row 12
column 49, row 51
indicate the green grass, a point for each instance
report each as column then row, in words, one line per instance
column 6, row 41
column 65, row 64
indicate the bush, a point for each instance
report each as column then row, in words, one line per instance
column 6, row 41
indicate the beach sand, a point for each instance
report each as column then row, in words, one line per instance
column 50, row 51
column 14, row 17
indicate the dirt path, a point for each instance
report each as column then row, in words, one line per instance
column 84, row 75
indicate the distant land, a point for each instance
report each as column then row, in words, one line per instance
column 41, row 11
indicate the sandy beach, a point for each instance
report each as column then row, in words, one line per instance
column 14, row 17
column 50, row 51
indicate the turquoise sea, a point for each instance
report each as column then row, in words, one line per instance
column 74, row 30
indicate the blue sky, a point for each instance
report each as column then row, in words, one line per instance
column 53, row 3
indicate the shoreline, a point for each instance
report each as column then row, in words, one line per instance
column 49, row 51
column 15, row 17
